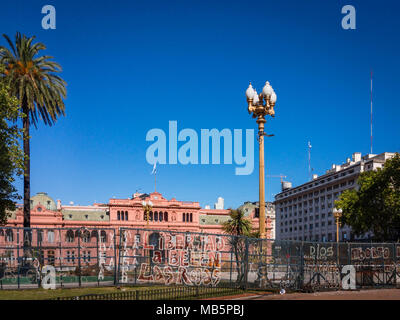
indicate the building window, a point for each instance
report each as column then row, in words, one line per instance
column 50, row 236
column 40, row 236
column 191, row 217
column 86, row 256
column 118, row 215
column 126, row 215
column 160, row 216
column 166, row 216
column 86, row 236
column 9, row 235
column 103, row 236
column 50, row 257
column 70, row 236
column 184, row 217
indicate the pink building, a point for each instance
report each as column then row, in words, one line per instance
column 62, row 233
column 166, row 214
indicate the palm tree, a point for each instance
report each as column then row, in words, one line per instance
column 40, row 91
column 239, row 227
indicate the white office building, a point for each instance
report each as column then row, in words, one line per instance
column 305, row 212
column 219, row 204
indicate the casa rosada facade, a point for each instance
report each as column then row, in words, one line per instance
column 65, row 234
column 173, row 215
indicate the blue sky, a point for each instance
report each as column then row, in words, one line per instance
column 132, row 66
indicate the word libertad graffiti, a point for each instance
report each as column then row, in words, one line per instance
column 167, row 258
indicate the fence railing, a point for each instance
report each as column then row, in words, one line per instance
column 131, row 256
column 171, row 293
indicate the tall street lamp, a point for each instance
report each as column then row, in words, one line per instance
column 337, row 213
column 260, row 105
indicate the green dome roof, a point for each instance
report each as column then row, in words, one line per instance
column 43, row 199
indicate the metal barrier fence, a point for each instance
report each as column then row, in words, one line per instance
column 163, row 257
column 74, row 257
column 67, row 257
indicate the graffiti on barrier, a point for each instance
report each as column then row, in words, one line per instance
column 172, row 258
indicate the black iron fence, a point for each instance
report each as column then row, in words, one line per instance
column 169, row 293
column 74, row 257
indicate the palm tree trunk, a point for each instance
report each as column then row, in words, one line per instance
column 27, row 172
column 27, row 234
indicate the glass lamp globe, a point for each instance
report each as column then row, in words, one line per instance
column 255, row 97
column 267, row 90
column 273, row 97
column 250, row 92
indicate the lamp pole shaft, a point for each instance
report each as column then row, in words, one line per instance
column 261, row 122
column 337, row 229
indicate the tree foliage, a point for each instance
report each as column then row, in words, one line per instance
column 239, row 227
column 375, row 205
column 11, row 158
column 34, row 81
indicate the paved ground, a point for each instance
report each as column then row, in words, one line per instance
column 375, row 294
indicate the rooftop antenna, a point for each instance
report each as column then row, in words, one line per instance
column 309, row 159
column 371, row 111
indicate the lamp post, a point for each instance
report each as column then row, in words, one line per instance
column 147, row 207
column 337, row 213
column 260, row 105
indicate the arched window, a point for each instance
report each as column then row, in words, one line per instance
column 50, row 236
column 126, row 215
column 155, row 216
column 94, row 234
column 103, row 236
column 160, row 216
column 9, row 235
column 122, row 216
column 187, row 217
column 154, row 239
column 165, row 216
column 118, row 215
column 86, row 236
column 40, row 236
column 191, row 217
column 70, row 236
column 183, row 217
column 151, row 216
